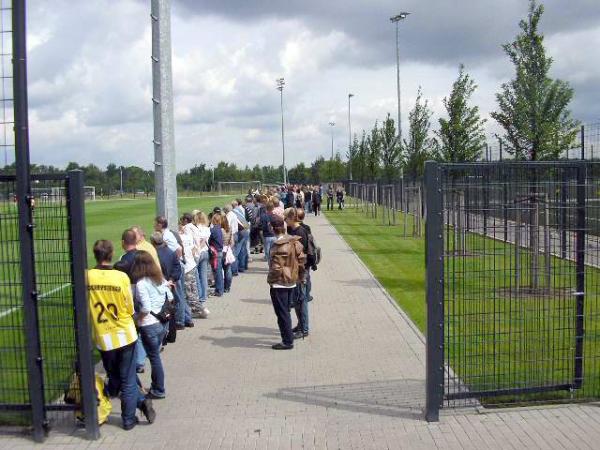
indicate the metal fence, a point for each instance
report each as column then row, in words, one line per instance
column 44, row 328
column 398, row 204
column 513, row 283
column 585, row 147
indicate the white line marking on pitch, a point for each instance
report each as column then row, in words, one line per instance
column 41, row 297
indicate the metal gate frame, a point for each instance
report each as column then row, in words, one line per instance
column 38, row 404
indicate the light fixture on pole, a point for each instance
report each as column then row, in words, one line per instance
column 332, row 124
column 396, row 19
column 280, row 84
column 349, row 139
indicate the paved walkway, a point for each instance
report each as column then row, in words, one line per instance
column 356, row 382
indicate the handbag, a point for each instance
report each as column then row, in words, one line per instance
column 166, row 311
column 229, row 256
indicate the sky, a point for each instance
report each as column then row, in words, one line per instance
column 90, row 84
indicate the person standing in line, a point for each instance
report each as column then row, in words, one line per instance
column 301, row 304
column 316, row 201
column 143, row 244
column 227, row 247
column 216, row 243
column 266, row 222
column 201, row 222
column 191, row 252
column 329, row 198
column 308, row 199
column 152, row 290
column 128, row 243
column 183, row 316
column 340, row 197
column 115, row 335
column 310, row 263
column 286, row 267
column 240, row 248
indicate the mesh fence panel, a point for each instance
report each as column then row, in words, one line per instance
column 521, row 272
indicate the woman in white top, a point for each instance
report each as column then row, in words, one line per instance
column 201, row 223
column 187, row 232
column 151, row 291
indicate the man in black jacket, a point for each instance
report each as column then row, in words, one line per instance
column 301, row 306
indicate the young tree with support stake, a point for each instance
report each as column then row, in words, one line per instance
column 533, row 110
column 391, row 150
column 462, row 134
column 418, row 148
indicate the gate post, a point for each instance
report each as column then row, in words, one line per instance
column 87, row 382
column 580, row 276
column 434, row 263
column 25, row 203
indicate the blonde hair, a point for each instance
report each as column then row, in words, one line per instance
column 200, row 219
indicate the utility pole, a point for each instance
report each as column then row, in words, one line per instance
column 396, row 19
column 349, row 139
column 280, row 84
column 332, row 124
column 162, row 99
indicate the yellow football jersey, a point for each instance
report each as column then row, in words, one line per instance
column 111, row 308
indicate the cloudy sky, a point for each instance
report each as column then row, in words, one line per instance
column 90, row 73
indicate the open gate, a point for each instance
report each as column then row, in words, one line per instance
column 513, row 283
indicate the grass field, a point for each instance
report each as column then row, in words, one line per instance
column 493, row 337
column 105, row 219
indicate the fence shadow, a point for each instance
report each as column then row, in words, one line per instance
column 395, row 398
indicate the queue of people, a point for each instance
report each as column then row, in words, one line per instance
column 158, row 287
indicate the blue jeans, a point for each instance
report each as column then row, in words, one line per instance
column 152, row 337
column 183, row 314
column 308, row 206
column 219, row 274
column 140, row 354
column 203, row 277
column 119, row 365
column 239, row 251
column 268, row 243
column 301, row 307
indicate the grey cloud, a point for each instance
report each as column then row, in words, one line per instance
column 438, row 31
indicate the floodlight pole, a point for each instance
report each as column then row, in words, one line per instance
column 165, row 173
column 396, row 19
column 331, row 124
column 280, row 84
column 349, row 139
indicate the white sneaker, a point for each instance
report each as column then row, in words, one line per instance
column 205, row 311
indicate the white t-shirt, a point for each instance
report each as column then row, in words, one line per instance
column 188, row 252
column 204, row 233
column 170, row 240
column 233, row 222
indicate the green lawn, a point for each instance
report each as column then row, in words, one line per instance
column 495, row 336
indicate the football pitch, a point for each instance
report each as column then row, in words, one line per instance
column 105, row 219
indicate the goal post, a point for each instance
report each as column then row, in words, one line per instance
column 237, row 187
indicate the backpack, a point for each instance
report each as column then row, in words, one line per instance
column 313, row 254
column 73, row 397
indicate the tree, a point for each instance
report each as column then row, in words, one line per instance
column 418, row 148
column 374, row 153
column 533, row 108
column 391, row 150
column 461, row 135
